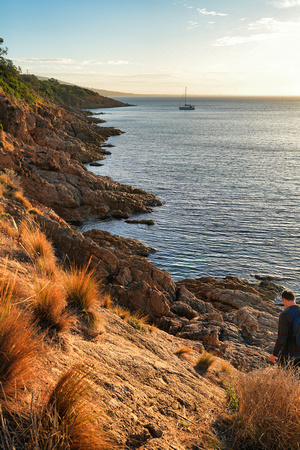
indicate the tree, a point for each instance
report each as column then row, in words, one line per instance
column 7, row 67
column 3, row 51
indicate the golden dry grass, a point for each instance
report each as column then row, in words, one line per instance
column 19, row 348
column 20, row 198
column 9, row 181
column 268, row 410
column 106, row 301
column 121, row 312
column 48, row 306
column 138, row 321
column 9, row 227
column 10, row 287
column 183, row 351
column 82, row 295
column 10, row 187
column 63, row 419
column 205, row 360
column 38, row 247
column 76, row 423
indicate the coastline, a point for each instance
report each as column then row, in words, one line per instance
column 143, row 371
column 205, row 310
column 233, row 236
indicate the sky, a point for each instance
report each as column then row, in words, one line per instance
column 214, row 47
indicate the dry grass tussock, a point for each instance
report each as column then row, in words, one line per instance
column 76, row 422
column 205, row 360
column 57, row 299
column 137, row 320
column 8, row 227
column 49, row 307
column 268, row 410
column 63, row 419
column 183, row 351
column 11, row 289
column 83, row 295
column 38, row 248
column 19, row 349
column 10, row 188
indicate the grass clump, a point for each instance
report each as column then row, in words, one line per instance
column 138, row 321
column 68, row 415
column 10, row 188
column 205, row 360
column 10, row 289
column 183, row 351
column 19, row 348
column 61, row 420
column 268, row 410
column 82, row 295
column 9, row 227
column 38, row 247
column 121, row 312
column 48, row 306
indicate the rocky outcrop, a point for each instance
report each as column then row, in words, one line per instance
column 233, row 318
column 46, row 146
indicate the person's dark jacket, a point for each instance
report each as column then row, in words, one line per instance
column 285, row 344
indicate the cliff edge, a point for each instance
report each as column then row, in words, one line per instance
column 147, row 378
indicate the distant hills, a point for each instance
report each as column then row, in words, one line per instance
column 102, row 92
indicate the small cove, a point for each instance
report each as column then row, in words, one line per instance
column 229, row 176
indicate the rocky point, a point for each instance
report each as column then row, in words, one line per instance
column 47, row 145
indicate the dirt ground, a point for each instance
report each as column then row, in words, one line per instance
column 152, row 398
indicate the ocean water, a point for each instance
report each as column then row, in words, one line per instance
column 229, row 174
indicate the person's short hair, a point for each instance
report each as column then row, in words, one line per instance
column 288, row 295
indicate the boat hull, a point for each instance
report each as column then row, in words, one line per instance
column 187, row 108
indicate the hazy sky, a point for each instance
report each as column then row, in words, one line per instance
column 159, row 46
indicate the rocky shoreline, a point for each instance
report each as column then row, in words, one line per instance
column 46, row 146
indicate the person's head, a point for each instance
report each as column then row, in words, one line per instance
column 288, row 297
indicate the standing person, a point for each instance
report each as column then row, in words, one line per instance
column 286, row 348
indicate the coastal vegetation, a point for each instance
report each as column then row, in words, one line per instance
column 31, row 89
column 80, row 365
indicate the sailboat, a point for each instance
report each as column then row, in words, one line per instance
column 186, row 106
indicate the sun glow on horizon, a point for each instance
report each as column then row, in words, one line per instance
column 228, row 49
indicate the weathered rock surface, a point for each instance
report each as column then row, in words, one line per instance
column 46, row 146
column 234, row 318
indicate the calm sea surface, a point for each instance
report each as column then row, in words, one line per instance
column 229, row 174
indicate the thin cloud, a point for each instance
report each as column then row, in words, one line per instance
column 65, row 61
column 237, row 40
column 117, row 63
column 192, row 25
column 210, row 13
column 266, row 22
column 262, row 30
column 46, row 60
column 286, row 4
column 95, row 62
column 272, row 25
column 202, row 10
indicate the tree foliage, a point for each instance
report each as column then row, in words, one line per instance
column 29, row 88
column 7, row 68
column 3, row 51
